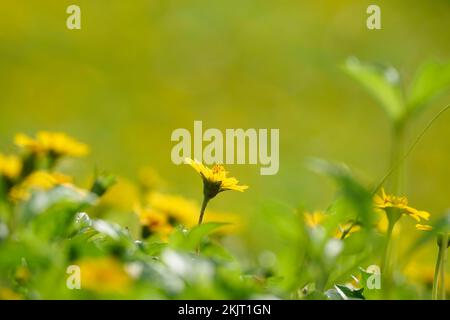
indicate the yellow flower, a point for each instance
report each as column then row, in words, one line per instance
column 215, row 180
column 155, row 222
column 10, row 166
column 42, row 180
column 314, row 219
column 55, row 143
column 177, row 208
column 347, row 229
column 386, row 203
column 103, row 275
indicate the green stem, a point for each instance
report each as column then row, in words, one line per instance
column 394, row 167
column 202, row 210
column 387, row 249
column 398, row 142
column 200, row 218
column 443, row 264
column 437, row 270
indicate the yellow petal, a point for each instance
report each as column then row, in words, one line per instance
column 424, row 227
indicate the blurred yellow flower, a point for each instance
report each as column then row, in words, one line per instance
column 10, row 166
column 314, row 219
column 386, row 202
column 345, row 230
column 42, row 180
column 215, row 180
column 177, row 208
column 155, row 222
column 54, row 143
column 103, row 275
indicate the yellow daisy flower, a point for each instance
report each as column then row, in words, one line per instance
column 215, row 180
column 10, row 166
column 55, row 143
column 154, row 222
column 386, row 203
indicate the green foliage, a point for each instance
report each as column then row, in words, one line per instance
column 431, row 79
column 385, row 85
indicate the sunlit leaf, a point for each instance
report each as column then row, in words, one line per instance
column 191, row 239
column 431, row 79
column 382, row 83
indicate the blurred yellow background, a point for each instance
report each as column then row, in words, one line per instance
column 137, row 70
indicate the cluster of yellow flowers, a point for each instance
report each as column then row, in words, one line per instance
column 23, row 172
column 383, row 203
column 53, row 143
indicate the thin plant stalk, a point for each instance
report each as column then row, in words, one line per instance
column 200, row 218
column 387, row 255
column 443, row 265
column 397, row 186
column 395, row 167
column 438, row 291
column 397, row 149
column 202, row 210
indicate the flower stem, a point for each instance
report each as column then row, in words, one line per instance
column 434, row 293
column 398, row 141
column 387, row 249
column 443, row 264
column 439, row 271
column 202, row 210
column 200, row 218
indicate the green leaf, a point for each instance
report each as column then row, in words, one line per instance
column 103, row 183
column 61, row 196
column 191, row 240
column 341, row 292
column 382, row 83
column 354, row 200
column 430, row 80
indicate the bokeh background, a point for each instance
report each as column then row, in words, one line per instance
column 139, row 69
